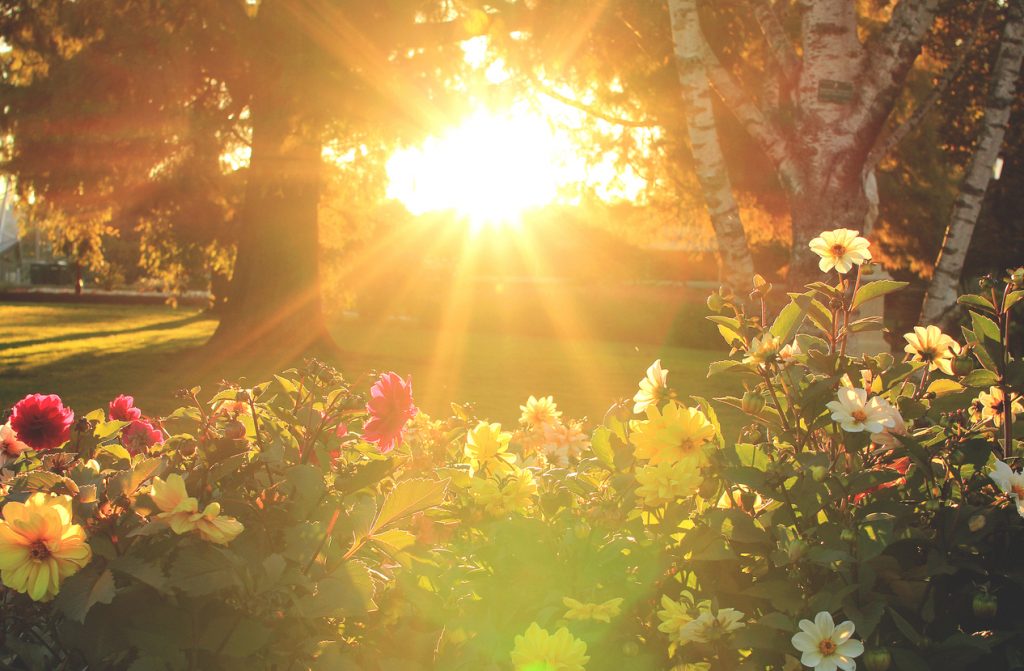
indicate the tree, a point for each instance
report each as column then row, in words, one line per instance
column 944, row 287
column 115, row 105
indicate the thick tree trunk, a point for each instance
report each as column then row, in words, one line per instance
column 940, row 300
column 735, row 264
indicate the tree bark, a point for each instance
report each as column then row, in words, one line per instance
column 940, row 299
column 735, row 264
column 274, row 303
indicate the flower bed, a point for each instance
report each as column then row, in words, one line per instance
column 870, row 513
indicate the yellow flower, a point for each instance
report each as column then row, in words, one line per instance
column 841, row 249
column 217, row 528
column 672, row 434
column 708, row 627
column 667, row 481
column 181, row 512
column 933, row 347
column 674, row 617
column 991, row 405
column 539, row 412
column 537, row 650
column 564, row 442
column 513, row 493
column 653, row 388
column 487, row 443
column 39, row 546
column 762, row 350
column 602, row 612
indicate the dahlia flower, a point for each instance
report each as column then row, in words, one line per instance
column 672, row 434
column 539, row 412
column 537, row 650
column 139, row 436
column 841, row 249
column 10, row 447
column 667, row 481
column 390, row 407
column 1010, row 482
column 991, row 406
column 932, row 346
column 710, row 627
column 653, row 388
column 39, row 546
column 122, row 409
column 600, row 612
column 42, row 422
column 825, row 646
column 856, row 413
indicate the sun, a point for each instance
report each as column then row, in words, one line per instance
column 491, row 169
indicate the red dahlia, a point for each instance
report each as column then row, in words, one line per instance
column 139, row 436
column 390, row 407
column 42, row 422
column 122, row 409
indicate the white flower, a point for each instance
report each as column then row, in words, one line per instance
column 563, row 442
column 762, row 350
column 841, row 249
column 825, row 646
column 855, row 412
column 933, row 347
column 652, row 387
column 887, row 438
column 539, row 412
column 789, row 353
column 708, row 627
column 1010, row 482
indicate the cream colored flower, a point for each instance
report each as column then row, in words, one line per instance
column 672, row 434
column 539, row 412
column 990, row 405
column 1010, row 482
column 564, row 442
column 181, row 512
column 887, row 437
column 674, row 617
column 789, row 353
column 855, row 412
column 653, row 388
column 932, row 346
column 217, row 528
column 711, row 627
column 537, row 650
column 841, row 249
column 600, row 612
column 762, row 350
column 667, row 481
column 825, row 646
column 10, row 447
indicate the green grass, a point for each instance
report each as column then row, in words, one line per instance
column 89, row 354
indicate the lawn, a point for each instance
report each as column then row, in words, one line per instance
column 90, row 353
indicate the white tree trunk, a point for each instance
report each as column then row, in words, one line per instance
column 735, row 263
column 940, row 300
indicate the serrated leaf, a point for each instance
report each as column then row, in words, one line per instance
column 408, row 497
column 395, row 539
column 981, row 377
column 974, row 300
column 876, row 289
column 1012, row 299
column 601, row 444
column 941, row 387
column 143, row 471
column 84, row 590
column 788, row 321
column 199, row 570
column 117, row 451
column 728, row 366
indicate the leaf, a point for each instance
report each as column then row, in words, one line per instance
column 408, row 497
column 974, row 300
column 348, row 591
column 941, row 387
column 117, row 451
column 395, row 539
column 143, row 471
column 877, row 289
column 199, row 570
column 981, row 378
column 788, row 321
column 84, row 590
column 105, row 430
column 1012, row 299
column 601, row 444
column 144, row 571
column 728, row 366
column 41, row 481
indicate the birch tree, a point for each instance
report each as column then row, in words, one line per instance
column 940, row 299
column 735, row 264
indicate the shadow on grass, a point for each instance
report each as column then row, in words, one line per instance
column 159, row 326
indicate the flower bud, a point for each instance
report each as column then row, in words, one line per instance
column 1017, row 277
column 962, row 365
column 796, row 550
column 819, row 473
column 752, row 403
column 878, row 659
column 715, row 303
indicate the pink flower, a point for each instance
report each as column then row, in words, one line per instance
column 10, row 447
column 122, row 409
column 390, row 407
column 139, row 436
column 42, row 422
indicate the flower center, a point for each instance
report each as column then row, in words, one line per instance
column 859, row 415
column 827, row 647
column 838, row 251
column 997, row 406
column 928, row 354
column 38, row 551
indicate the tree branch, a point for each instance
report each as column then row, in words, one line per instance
column 891, row 54
column 590, row 109
column 775, row 35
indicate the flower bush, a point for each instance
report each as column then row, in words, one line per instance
column 864, row 511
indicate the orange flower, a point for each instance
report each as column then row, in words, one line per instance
column 39, row 546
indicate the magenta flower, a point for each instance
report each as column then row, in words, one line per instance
column 42, row 422
column 390, row 407
column 139, row 436
column 122, row 409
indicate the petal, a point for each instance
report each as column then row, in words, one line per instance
column 811, row 658
column 827, row 664
column 851, row 648
column 805, row 642
column 826, row 625
column 843, row 632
